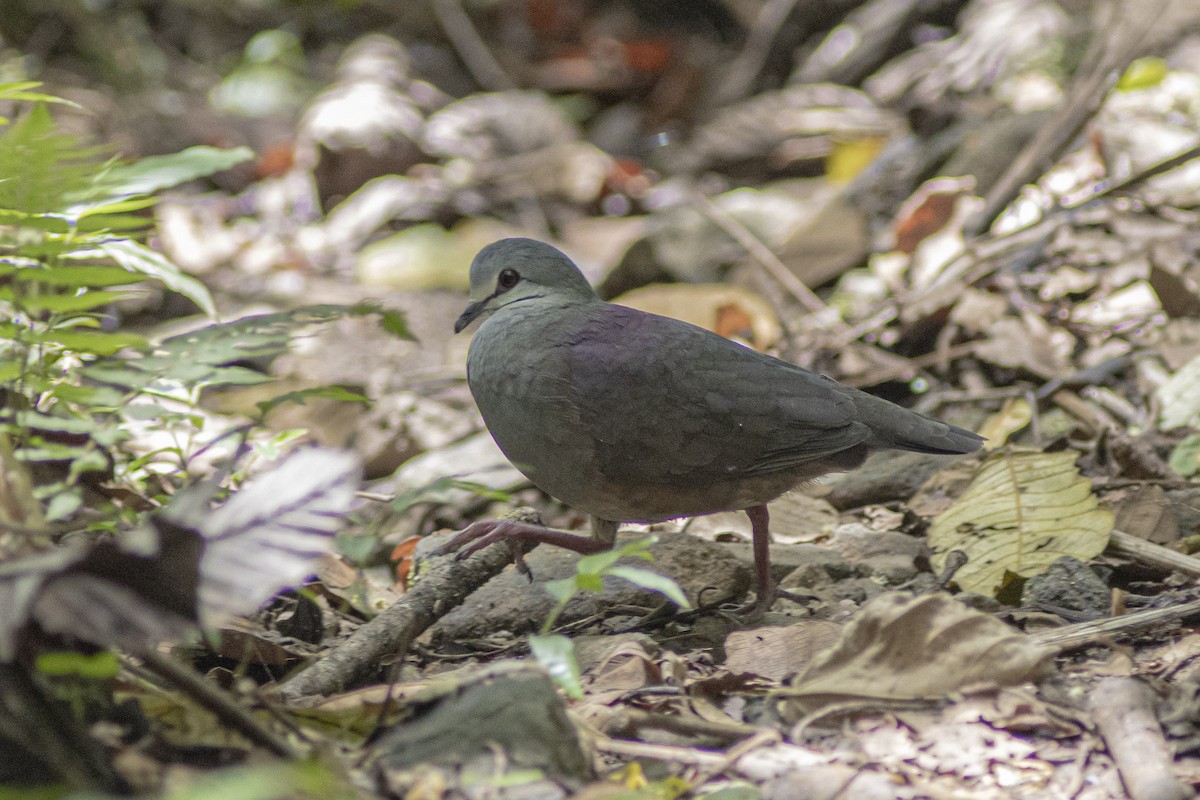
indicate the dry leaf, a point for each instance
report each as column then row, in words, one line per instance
column 1021, row 512
column 902, row 648
column 1145, row 512
column 1028, row 343
column 1180, row 397
column 776, row 652
column 1012, row 417
column 719, row 307
column 976, row 310
column 1135, row 302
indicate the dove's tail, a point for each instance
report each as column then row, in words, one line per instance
column 901, row 429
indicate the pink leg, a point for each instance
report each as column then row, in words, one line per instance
column 760, row 533
column 766, row 592
column 523, row 536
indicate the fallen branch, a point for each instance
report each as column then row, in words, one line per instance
column 1123, row 709
column 388, row 637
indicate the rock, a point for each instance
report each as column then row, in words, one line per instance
column 706, row 571
column 1068, row 584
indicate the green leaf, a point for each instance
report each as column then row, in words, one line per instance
column 562, row 589
column 94, row 397
column 589, row 582
column 395, row 323
column 142, row 259
column 1143, row 73
column 233, row 376
column 99, row 666
column 51, row 223
column 51, row 451
column 109, row 223
column 41, row 166
column 46, row 422
column 652, row 581
column 18, row 91
column 155, row 173
column 596, row 563
column 1185, row 458
column 331, row 392
column 79, row 277
column 64, row 504
column 556, row 654
column 69, row 303
column 98, row 343
column 119, row 207
column 117, row 374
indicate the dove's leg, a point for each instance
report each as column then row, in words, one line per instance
column 766, row 592
column 524, row 536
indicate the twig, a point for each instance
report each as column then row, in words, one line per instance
column 1081, row 633
column 1145, row 552
column 740, row 75
column 389, row 635
column 762, row 254
column 483, row 66
column 906, row 369
column 224, row 707
column 1087, row 95
column 629, row 721
column 1131, row 182
column 764, row 738
column 1123, row 709
column 659, row 752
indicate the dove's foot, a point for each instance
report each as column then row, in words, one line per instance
column 522, row 536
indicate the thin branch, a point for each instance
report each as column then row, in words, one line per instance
column 474, row 52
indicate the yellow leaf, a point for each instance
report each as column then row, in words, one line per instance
column 847, row 159
column 1021, row 512
column 1014, row 416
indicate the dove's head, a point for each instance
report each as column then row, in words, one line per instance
column 521, row 270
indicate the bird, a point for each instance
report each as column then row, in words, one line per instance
column 632, row 417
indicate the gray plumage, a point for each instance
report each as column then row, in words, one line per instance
column 634, row 417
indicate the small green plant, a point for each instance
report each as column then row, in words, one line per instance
column 73, row 382
column 556, row 652
column 69, row 218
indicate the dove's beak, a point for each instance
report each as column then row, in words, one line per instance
column 469, row 314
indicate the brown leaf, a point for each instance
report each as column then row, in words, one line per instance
column 902, row 648
column 774, row 653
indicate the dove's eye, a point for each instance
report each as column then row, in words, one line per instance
column 508, row 279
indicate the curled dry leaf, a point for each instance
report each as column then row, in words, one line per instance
column 905, row 648
column 1021, row 512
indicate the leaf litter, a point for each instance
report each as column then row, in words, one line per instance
column 1071, row 341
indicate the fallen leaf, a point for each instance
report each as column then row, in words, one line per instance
column 1180, row 397
column 1013, row 416
column 777, row 652
column 719, row 307
column 904, row 648
column 1021, row 512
